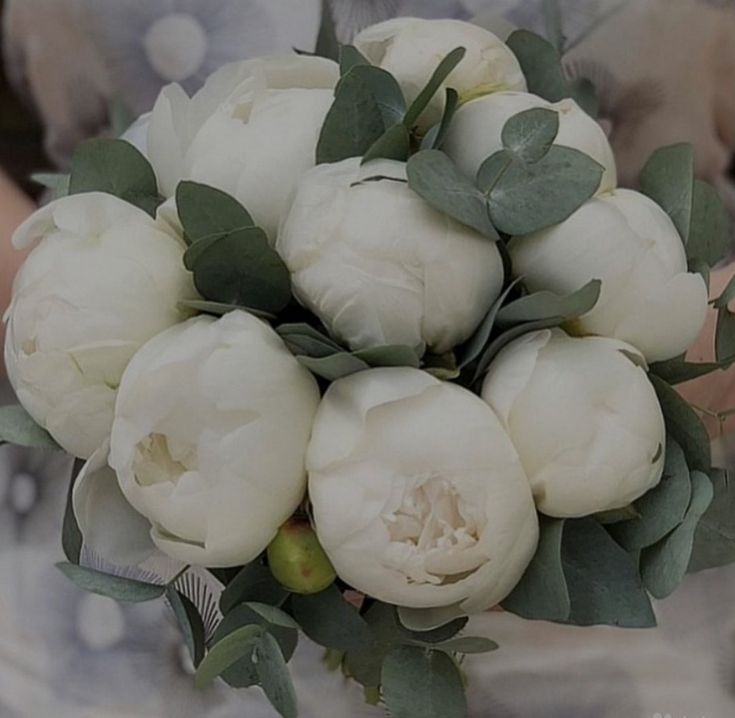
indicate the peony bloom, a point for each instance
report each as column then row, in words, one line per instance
column 379, row 266
column 210, row 432
column 648, row 297
column 411, row 49
column 103, row 278
column 419, row 498
column 475, row 132
column 584, row 418
column 251, row 131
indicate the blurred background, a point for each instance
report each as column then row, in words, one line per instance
column 664, row 71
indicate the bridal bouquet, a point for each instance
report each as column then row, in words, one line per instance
column 358, row 349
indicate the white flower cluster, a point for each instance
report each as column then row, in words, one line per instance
column 423, row 494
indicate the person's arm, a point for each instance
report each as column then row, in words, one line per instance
column 14, row 208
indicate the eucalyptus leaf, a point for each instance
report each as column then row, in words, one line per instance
column 530, row 197
column 327, row 44
column 602, row 579
column 684, row 426
column 333, row 367
column 714, row 540
column 437, row 180
column 442, row 366
column 422, row 684
column 389, row 355
column 668, row 179
column 254, row 582
column 710, row 236
column 542, row 592
column 445, row 631
column 367, row 102
column 330, row 621
column 699, row 266
column 364, row 663
column 725, row 331
column 241, row 268
column 502, row 341
column 206, row 212
column 394, row 144
column 190, row 623
column 273, row 615
column 664, row 565
column 662, row 509
column 547, row 305
column 117, row 168
column 303, row 339
column 388, row 632
column 478, row 341
column 727, row 296
column 437, row 79
column 677, row 371
column 529, row 135
column 725, row 336
column 274, row 677
column 72, row 540
column 242, row 673
column 56, row 182
column 218, row 309
column 349, row 56
column 491, row 171
column 18, row 427
column 118, row 587
column 541, row 65
column 325, row 358
column 468, row 645
column 617, row 516
column 435, row 137
column 224, row 654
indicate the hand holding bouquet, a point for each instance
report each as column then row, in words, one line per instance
column 382, row 330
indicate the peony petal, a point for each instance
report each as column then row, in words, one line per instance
column 110, row 526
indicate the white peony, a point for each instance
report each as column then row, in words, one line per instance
column 103, row 278
column 210, row 432
column 379, row 266
column 475, row 132
column 411, row 50
column 584, row 418
column 419, row 498
column 648, row 297
column 251, row 131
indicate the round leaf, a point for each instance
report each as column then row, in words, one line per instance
column 242, row 269
column 422, row 684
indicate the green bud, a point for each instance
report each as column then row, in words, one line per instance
column 298, row 561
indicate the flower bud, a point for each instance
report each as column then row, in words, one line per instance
column 102, row 279
column 411, row 50
column 648, row 297
column 297, row 560
column 584, row 418
column 476, row 129
column 379, row 266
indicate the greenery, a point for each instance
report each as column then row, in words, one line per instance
column 117, row 168
column 596, row 570
column 17, row 427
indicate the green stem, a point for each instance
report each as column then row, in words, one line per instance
column 500, row 176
